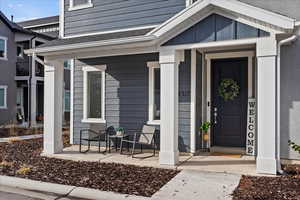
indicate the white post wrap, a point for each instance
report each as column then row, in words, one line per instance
column 53, row 107
column 169, row 64
column 266, row 106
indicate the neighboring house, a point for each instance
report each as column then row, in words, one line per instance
column 49, row 26
column 22, row 77
column 175, row 64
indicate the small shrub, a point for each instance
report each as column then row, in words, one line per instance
column 5, row 165
column 14, row 139
column 294, row 146
column 24, row 170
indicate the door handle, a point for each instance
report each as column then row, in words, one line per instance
column 215, row 115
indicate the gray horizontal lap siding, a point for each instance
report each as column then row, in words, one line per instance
column 185, row 103
column 127, row 94
column 7, row 74
column 108, row 15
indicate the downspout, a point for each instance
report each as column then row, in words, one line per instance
column 29, row 85
column 280, row 44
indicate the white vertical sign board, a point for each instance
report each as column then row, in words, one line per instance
column 251, row 128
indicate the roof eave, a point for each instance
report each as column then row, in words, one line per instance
column 105, row 43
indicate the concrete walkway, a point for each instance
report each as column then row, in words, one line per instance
column 188, row 184
column 25, row 137
column 195, row 185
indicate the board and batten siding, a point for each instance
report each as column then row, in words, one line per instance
column 216, row 28
column 127, row 97
column 107, row 15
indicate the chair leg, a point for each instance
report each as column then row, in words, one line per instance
column 121, row 147
column 80, row 146
column 109, row 145
column 141, row 148
column 99, row 146
column 133, row 150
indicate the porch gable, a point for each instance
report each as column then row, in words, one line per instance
column 216, row 28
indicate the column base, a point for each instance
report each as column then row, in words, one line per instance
column 168, row 158
column 266, row 166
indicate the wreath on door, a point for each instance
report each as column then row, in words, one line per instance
column 229, row 89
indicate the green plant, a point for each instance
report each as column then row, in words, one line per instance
column 23, row 170
column 228, row 89
column 120, row 129
column 205, row 127
column 294, row 146
column 5, row 165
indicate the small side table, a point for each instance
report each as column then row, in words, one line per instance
column 117, row 139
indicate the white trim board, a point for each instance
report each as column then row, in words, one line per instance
column 193, row 99
column 211, row 56
column 85, row 70
column 72, row 101
column 61, row 18
column 5, row 47
column 151, row 67
column 72, row 7
column 4, row 87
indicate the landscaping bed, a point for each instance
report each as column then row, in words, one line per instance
column 285, row 187
column 22, row 159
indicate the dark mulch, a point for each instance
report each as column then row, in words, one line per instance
column 286, row 187
column 126, row 179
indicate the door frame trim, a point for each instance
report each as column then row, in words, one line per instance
column 211, row 56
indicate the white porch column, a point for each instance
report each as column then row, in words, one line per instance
column 266, row 106
column 53, row 106
column 169, row 64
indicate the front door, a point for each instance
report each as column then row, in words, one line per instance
column 229, row 103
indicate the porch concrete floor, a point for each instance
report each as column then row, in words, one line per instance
column 203, row 162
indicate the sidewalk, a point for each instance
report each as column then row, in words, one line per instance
column 194, row 185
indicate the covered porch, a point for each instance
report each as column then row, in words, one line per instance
column 210, row 162
column 218, row 31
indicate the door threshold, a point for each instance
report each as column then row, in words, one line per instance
column 233, row 150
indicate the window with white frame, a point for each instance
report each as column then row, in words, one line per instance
column 94, row 94
column 154, row 93
column 3, row 48
column 67, row 98
column 80, row 4
column 20, row 51
column 3, row 97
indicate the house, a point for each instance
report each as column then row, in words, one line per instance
column 22, row 77
column 175, row 64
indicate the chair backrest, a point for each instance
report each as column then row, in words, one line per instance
column 110, row 130
column 147, row 135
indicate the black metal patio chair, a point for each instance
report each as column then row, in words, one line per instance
column 145, row 137
column 94, row 136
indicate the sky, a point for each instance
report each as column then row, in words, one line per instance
column 29, row 9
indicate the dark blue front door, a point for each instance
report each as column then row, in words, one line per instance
column 229, row 117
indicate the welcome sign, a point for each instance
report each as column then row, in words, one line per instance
column 251, row 128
